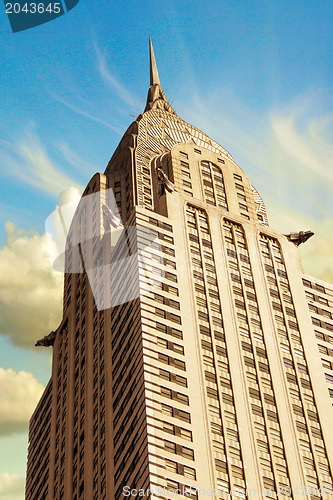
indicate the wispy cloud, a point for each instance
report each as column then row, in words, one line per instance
column 86, row 113
column 90, row 106
column 317, row 253
column 27, row 161
column 73, row 159
column 308, row 146
column 114, row 84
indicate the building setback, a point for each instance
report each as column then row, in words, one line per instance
column 193, row 351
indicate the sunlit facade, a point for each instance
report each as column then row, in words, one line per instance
column 199, row 363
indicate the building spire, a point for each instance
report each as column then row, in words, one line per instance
column 156, row 96
column 154, row 78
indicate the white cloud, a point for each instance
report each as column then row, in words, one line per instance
column 72, row 194
column 57, row 226
column 19, row 395
column 30, row 289
column 27, row 160
column 11, row 487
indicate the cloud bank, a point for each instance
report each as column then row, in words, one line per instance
column 19, row 395
column 30, row 289
column 11, row 487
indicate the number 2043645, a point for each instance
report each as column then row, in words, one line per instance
column 33, row 8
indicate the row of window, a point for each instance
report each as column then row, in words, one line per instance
column 256, row 366
column 291, row 345
column 221, row 410
column 213, row 183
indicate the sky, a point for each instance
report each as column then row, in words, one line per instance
column 256, row 76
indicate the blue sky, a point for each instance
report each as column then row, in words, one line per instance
column 255, row 75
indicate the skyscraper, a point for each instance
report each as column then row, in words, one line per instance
column 193, row 351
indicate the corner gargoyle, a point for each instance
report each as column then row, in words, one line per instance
column 46, row 341
column 300, row 237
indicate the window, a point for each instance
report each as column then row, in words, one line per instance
column 216, row 428
column 167, row 410
column 241, row 196
column 189, row 472
column 166, row 237
column 179, row 380
column 187, row 453
column 166, row 392
column 179, row 364
column 171, row 277
column 322, row 300
column 160, row 312
column 175, row 333
column 182, row 398
column 162, row 342
column 174, row 318
column 302, row 368
column 184, row 415
column 146, row 180
column 219, row 447
column 170, row 447
column 161, row 327
column 158, row 298
column 185, row 434
column 213, row 184
column 172, row 290
column 242, row 206
column 172, row 485
column 164, row 358
column 177, row 348
column 164, row 374
column 170, row 428
column 322, row 349
column 326, row 364
column 171, row 466
column 177, row 396
column 174, row 304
